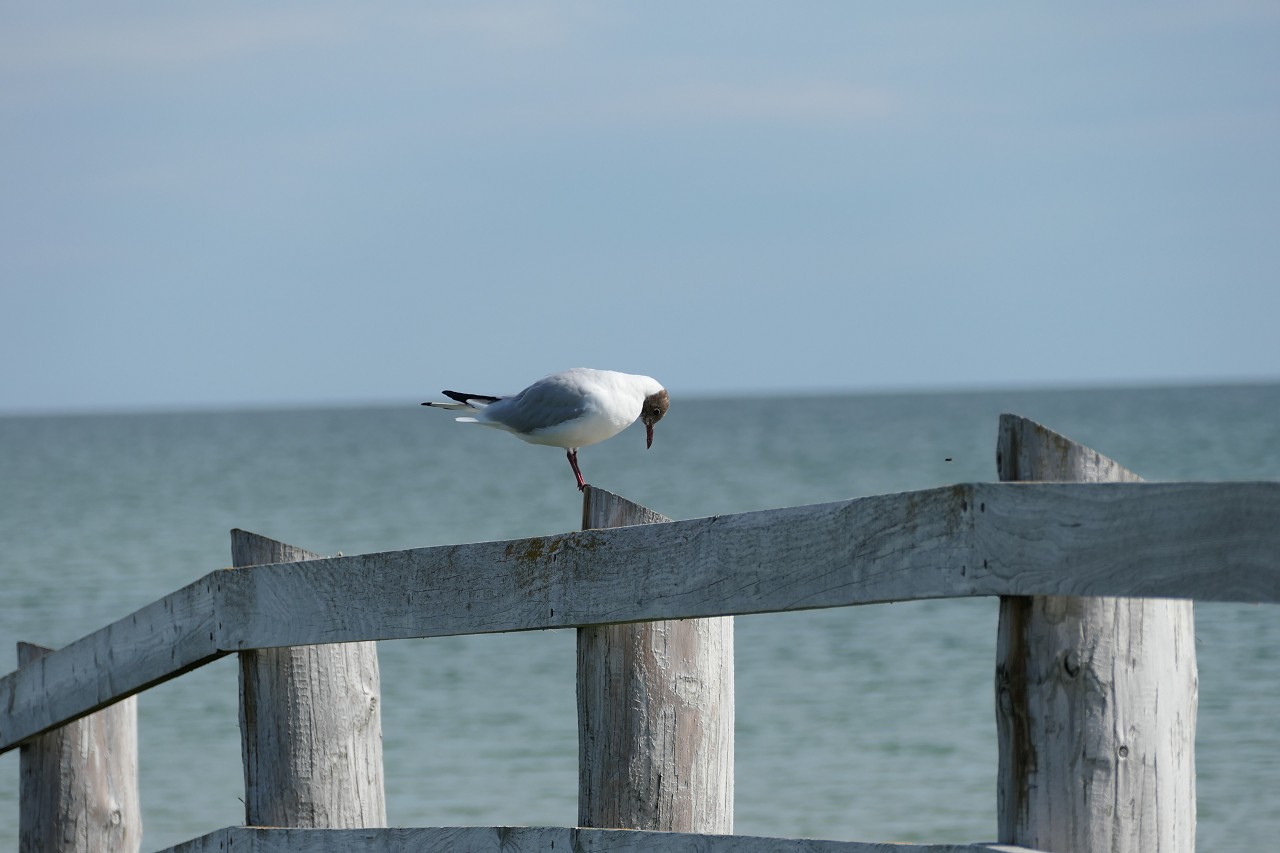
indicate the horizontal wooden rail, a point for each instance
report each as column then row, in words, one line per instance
column 505, row 839
column 1204, row 541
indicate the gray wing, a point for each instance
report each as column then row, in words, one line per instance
column 546, row 403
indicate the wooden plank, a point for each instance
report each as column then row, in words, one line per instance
column 655, row 711
column 1201, row 541
column 162, row 640
column 310, row 723
column 79, row 783
column 1095, row 697
column 1208, row 541
column 795, row 558
column 535, row 839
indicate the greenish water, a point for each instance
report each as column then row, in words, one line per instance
column 871, row 723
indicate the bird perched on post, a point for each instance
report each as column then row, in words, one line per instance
column 572, row 409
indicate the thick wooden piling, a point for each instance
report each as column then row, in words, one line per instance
column 79, row 782
column 655, row 712
column 310, row 723
column 1095, row 697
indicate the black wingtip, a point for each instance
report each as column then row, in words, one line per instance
column 467, row 398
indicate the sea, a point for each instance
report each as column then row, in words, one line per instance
column 871, row 723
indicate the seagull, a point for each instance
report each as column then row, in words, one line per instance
column 571, row 409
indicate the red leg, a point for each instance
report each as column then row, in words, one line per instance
column 573, row 460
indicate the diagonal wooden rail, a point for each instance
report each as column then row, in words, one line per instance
column 1204, row 541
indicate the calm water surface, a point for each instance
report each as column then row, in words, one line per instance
column 872, row 723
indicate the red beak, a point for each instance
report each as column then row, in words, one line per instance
column 648, row 436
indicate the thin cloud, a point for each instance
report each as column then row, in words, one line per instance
column 657, row 106
column 501, row 27
column 157, row 42
column 804, row 101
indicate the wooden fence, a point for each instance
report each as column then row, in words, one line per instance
column 1096, row 578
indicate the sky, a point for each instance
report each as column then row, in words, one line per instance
column 238, row 204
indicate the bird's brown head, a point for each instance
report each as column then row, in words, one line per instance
column 655, row 406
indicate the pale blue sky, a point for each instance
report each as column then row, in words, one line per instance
column 239, row 204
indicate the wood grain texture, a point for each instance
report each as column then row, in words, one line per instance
column 1095, row 697
column 819, row 556
column 1211, row 541
column 655, row 712
column 78, row 788
column 535, row 839
column 1204, row 541
column 310, row 723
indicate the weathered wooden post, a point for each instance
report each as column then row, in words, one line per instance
column 655, row 712
column 1095, row 697
column 79, row 783
column 310, row 723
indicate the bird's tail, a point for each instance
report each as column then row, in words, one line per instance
column 470, row 402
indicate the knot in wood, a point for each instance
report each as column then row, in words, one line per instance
column 1071, row 663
